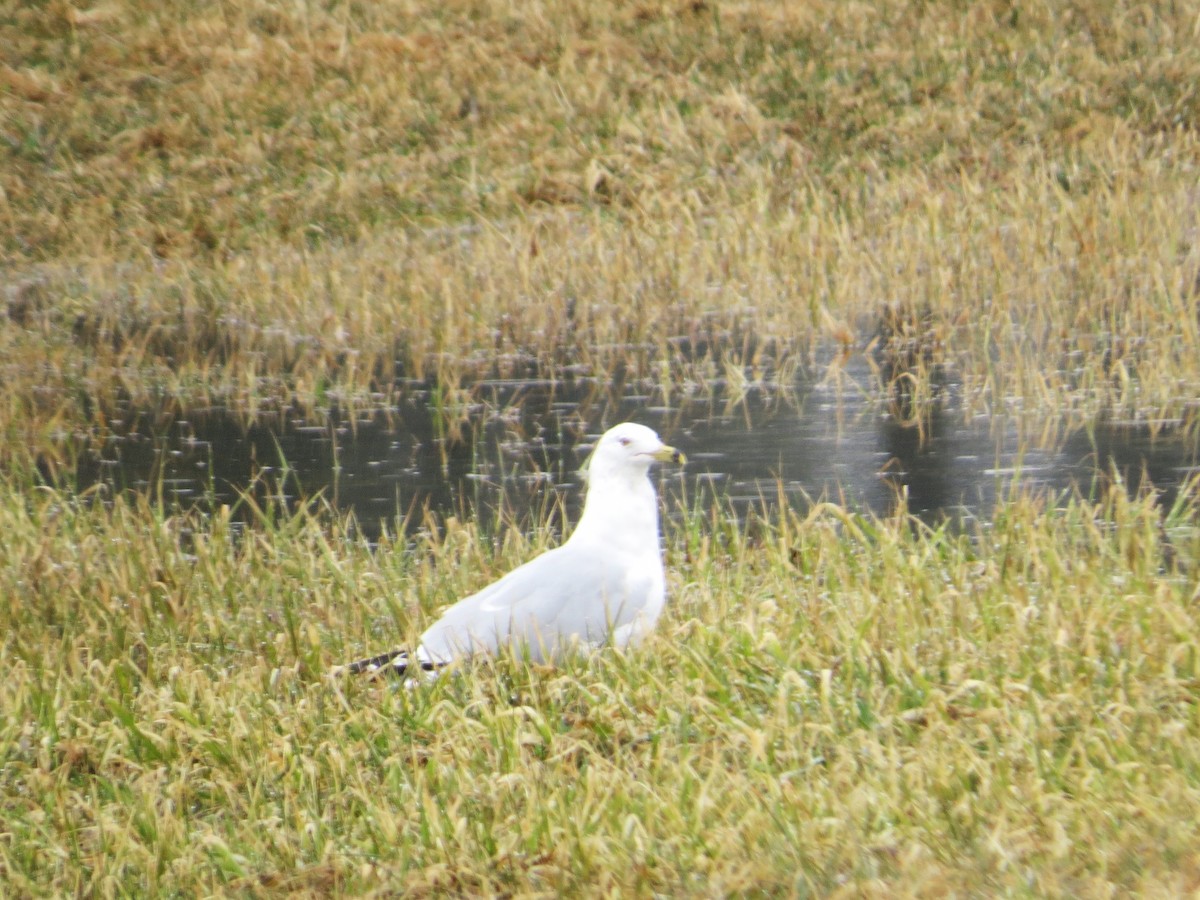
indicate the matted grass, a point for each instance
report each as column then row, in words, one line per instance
column 833, row 705
column 187, row 127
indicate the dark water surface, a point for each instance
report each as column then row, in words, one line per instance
column 519, row 444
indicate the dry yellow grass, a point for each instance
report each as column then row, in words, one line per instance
column 265, row 204
column 189, row 128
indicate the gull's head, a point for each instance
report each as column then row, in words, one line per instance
column 630, row 447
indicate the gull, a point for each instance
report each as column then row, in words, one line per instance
column 605, row 585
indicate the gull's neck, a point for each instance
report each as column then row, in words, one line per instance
column 620, row 505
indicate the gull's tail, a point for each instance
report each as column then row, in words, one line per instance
column 394, row 662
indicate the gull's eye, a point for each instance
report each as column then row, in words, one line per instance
column 624, row 442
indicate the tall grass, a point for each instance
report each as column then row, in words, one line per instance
column 269, row 206
column 836, row 704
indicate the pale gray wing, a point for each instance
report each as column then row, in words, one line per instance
column 540, row 606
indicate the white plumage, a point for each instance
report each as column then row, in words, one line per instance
column 606, row 584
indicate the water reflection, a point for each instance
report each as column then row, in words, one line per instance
column 513, row 449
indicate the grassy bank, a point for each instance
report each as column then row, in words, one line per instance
column 260, row 205
column 268, row 206
column 838, row 704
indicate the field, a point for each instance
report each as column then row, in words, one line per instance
column 291, row 207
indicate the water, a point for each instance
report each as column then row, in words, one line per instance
column 518, row 445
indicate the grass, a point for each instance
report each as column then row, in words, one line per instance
column 838, row 704
column 268, row 207
column 285, row 208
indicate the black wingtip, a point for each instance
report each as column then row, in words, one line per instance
column 394, row 662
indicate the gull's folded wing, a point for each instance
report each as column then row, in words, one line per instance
column 542, row 607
